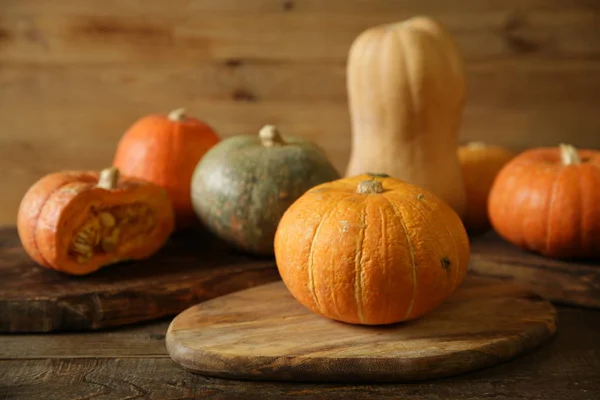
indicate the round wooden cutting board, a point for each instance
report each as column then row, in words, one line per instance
column 263, row 333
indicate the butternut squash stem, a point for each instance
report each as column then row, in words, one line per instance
column 476, row 145
column 270, row 136
column 177, row 115
column 370, row 187
column 109, row 178
column 378, row 175
column 569, row 154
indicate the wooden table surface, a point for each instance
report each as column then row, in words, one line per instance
column 132, row 363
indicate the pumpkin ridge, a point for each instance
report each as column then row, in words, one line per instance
column 454, row 244
column 527, row 241
column 311, row 280
column 384, row 256
column 430, row 223
column 175, row 134
column 586, row 238
column 74, row 191
column 254, row 197
column 412, row 256
column 549, row 210
column 580, row 230
column 35, row 231
column 359, row 271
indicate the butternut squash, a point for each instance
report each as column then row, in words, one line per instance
column 406, row 90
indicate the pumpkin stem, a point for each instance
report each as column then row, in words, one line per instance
column 378, row 175
column 569, row 154
column 269, row 136
column 370, row 187
column 476, row 145
column 177, row 115
column 109, row 178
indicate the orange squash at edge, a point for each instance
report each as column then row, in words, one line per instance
column 62, row 207
column 547, row 200
column 371, row 250
column 165, row 149
column 480, row 163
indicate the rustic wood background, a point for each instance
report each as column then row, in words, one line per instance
column 74, row 74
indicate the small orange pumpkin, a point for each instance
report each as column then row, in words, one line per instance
column 371, row 250
column 480, row 163
column 547, row 200
column 77, row 222
column 165, row 150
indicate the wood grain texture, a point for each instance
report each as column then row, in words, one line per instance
column 263, row 333
column 179, row 7
column 50, row 366
column 167, row 38
column 192, row 267
column 143, row 339
column 573, row 283
column 73, row 77
column 76, row 125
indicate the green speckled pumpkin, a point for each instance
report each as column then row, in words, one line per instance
column 243, row 185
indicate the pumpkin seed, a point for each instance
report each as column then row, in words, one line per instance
column 81, row 238
column 109, row 243
column 83, row 259
column 106, row 219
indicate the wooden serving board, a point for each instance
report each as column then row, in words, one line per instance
column 263, row 333
column 192, row 267
column 565, row 282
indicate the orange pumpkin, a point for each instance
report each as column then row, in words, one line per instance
column 77, row 222
column 547, row 200
column 480, row 163
column 371, row 250
column 165, row 150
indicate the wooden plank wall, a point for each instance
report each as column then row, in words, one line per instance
column 74, row 74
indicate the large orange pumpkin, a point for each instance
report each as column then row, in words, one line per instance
column 164, row 149
column 77, row 222
column 547, row 200
column 480, row 163
column 371, row 250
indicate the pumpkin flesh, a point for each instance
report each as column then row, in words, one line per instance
column 371, row 259
column 81, row 227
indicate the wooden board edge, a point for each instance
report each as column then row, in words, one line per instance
column 85, row 313
column 368, row 369
column 554, row 285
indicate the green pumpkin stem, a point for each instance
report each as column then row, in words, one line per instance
column 370, row 187
column 109, row 178
column 269, row 136
column 569, row 154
